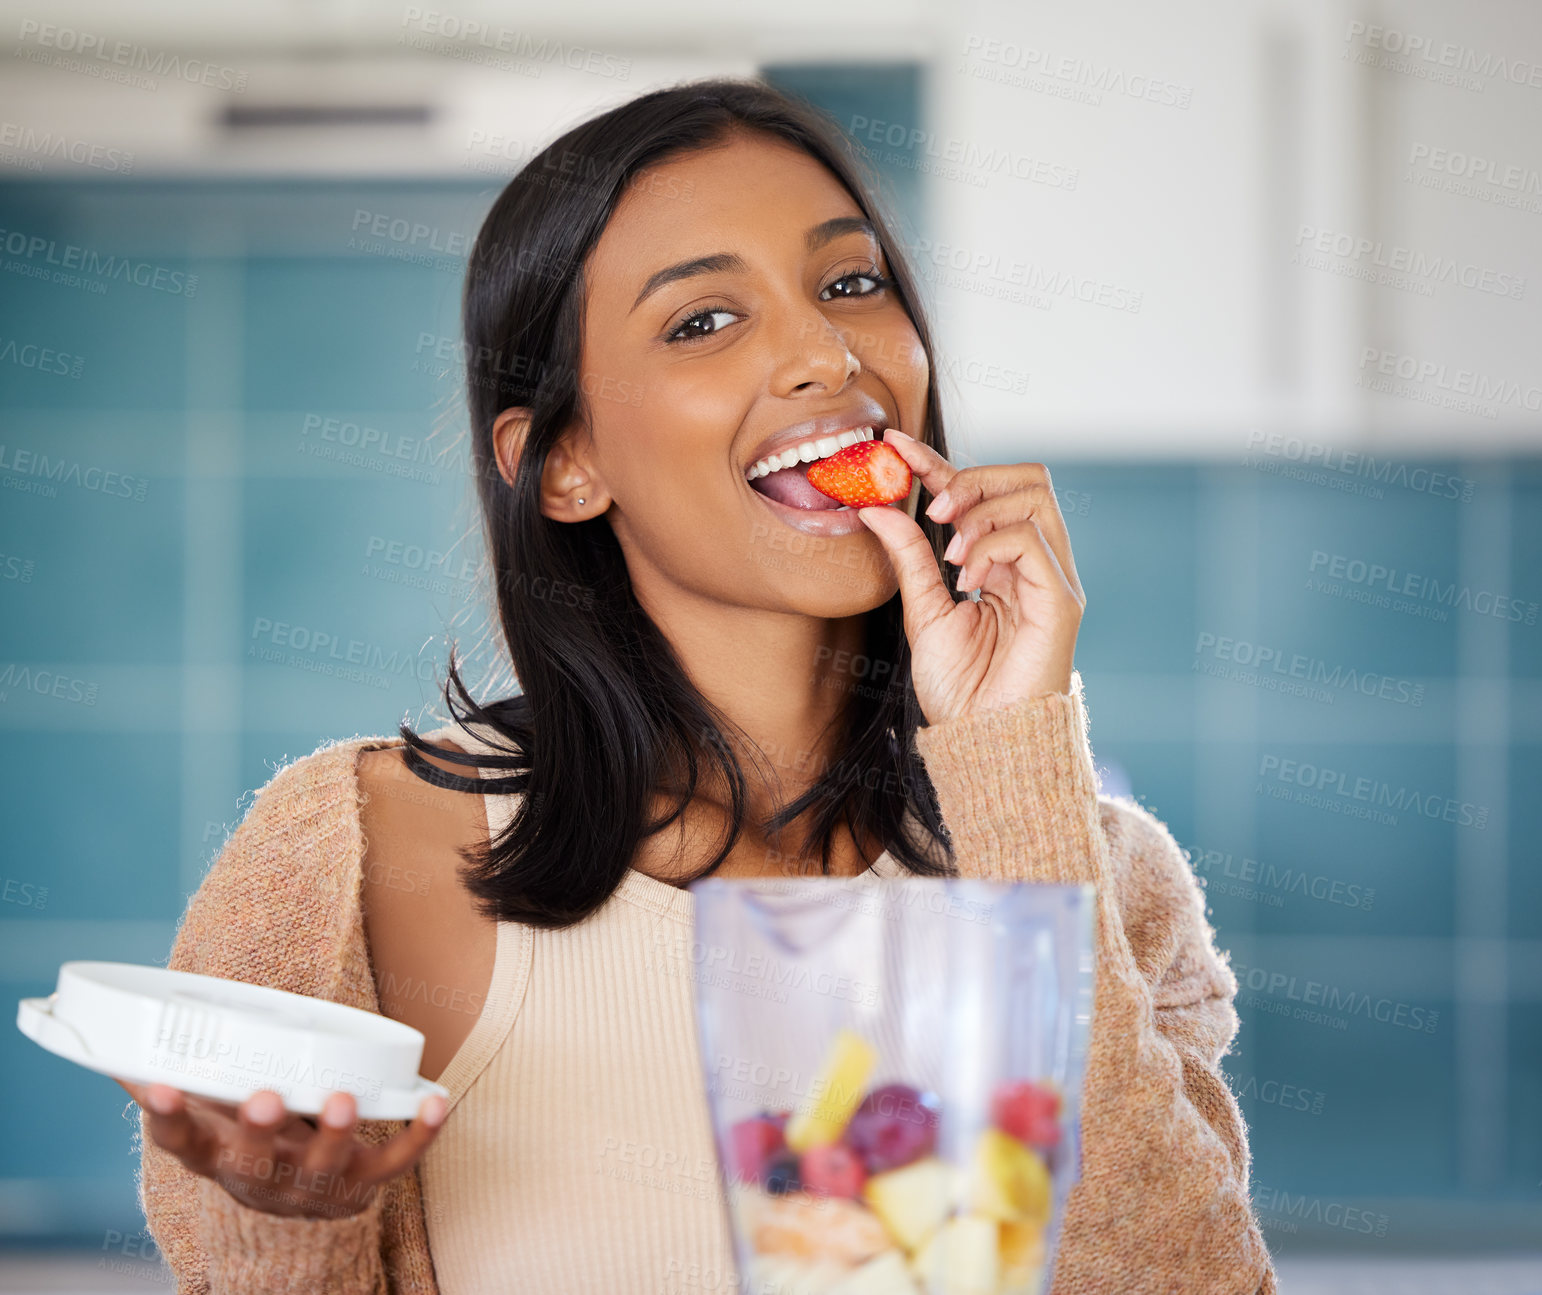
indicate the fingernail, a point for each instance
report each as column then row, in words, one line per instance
column 434, row 1111
column 160, row 1101
column 264, row 1108
column 935, row 509
column 955, row 547
column 335, row 1113
column 895, row 431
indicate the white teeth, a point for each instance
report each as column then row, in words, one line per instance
column 808, row 451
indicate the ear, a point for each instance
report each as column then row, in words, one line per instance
column 509, row 431
column 565, row 478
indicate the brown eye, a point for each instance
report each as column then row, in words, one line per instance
column 678, row 333
column 879, row 282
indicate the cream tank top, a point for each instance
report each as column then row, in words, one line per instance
column 578, row 1153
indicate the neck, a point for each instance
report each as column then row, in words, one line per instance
column 679, row 852
column 783, row 683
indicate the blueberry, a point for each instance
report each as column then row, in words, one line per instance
column 781, row 1174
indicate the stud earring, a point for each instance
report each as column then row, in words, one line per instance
column 580, row 500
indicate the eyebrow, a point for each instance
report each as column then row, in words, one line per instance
column 731, row 262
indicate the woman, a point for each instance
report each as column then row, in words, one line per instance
column 666, row 297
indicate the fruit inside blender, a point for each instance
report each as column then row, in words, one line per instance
column 850, row 1195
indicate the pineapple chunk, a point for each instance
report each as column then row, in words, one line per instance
column 1022, row 1258
column 913, row 1201
column 840, row 1087
column 884, row 1275
column 961, row 1257
column 1010, row 1182
column 1023, row 1281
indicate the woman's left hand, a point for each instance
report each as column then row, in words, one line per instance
column 1019, row 639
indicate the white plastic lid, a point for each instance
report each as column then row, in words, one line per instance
column 225, row 1039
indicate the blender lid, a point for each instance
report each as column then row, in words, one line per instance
column 226, row 1039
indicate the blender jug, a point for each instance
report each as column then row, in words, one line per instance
column 893, row 1070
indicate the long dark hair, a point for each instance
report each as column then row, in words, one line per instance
column 606, row 714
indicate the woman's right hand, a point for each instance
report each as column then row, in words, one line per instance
column 281, row 1163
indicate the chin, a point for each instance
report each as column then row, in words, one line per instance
column 836, row 594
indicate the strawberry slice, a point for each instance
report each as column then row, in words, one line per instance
column 861, row 475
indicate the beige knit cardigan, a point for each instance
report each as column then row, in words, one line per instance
column 1162, row 1204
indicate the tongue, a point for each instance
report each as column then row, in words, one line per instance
column 791, row 486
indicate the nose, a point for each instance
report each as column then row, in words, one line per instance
column 814, row 358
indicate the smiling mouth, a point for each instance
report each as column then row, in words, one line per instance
column 787, row 482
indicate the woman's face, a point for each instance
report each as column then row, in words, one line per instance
column 725, row 311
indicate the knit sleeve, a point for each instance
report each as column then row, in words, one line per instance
column 1163, row 1199
column 263, row 914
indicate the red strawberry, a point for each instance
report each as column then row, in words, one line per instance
column 1028, row 1111
column 861, row 475
column 754, row 1143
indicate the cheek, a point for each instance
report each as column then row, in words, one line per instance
column 690, row 408
column 668, row 468
column 676, row 445
column 653, row 475
column 895, row 355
